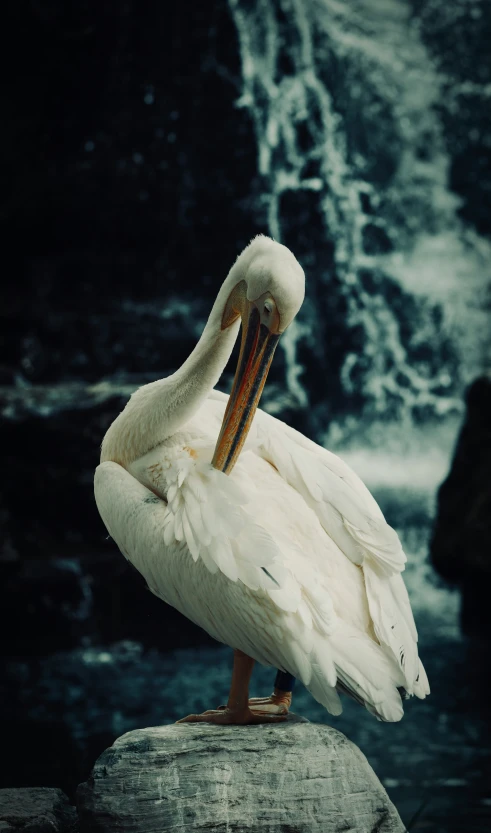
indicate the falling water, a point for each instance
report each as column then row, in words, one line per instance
column 315, row 91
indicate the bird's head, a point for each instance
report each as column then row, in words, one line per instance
column 275, row 282
column 265, row 288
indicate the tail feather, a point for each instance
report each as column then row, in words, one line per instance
column 368, row 674
column 325, row 694
column 393, row 624
column 421, row 686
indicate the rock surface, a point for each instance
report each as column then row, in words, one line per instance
column 297, row 777
column 460, row 549
column 36, row 810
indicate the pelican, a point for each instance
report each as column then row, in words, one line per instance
column 263, row 538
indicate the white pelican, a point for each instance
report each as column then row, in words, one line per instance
column 287, row 558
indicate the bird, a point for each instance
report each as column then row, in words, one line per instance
column 262, row 537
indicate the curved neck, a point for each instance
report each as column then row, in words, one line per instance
column 157, row 410
column 188, row 387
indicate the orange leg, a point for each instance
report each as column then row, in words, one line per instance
column 238, row 709
column 278, row 702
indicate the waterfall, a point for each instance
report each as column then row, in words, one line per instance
column 342, row 100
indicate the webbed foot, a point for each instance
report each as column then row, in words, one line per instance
column 278, row 702
column 239, row 717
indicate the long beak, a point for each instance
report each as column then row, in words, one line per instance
column 256, row 354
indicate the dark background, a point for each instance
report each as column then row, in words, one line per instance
column 141, row 149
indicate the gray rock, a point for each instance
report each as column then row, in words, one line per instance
column 294, row 777
column 36, row 810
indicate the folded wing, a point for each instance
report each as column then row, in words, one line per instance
column 352, row 518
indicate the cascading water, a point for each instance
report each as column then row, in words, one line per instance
column 317, row 78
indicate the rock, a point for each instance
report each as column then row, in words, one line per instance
column 293, row 777
column 36, row 810
column 460, row 543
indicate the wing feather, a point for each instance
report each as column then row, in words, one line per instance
column 353, row 520
column 273, row 626
column 346, row 509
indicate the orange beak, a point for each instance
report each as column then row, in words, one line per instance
column 256, row 354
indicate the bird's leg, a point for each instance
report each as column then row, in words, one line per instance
column 237, row 710
column 279, row 701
